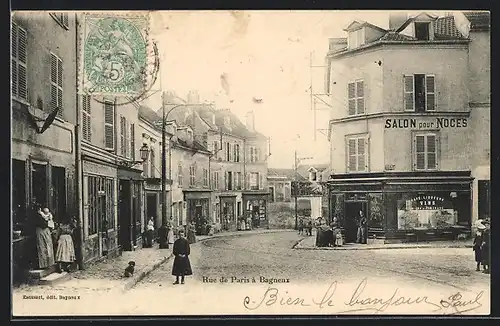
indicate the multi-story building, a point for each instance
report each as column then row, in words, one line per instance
column 188, row 193
column 44, row 115
column 409, row 130
column 238, row 164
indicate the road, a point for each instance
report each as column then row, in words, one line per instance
column 262, row 274
column 352, row 276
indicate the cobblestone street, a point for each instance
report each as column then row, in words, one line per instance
column 434, row 272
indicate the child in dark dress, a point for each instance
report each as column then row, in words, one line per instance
column 181, row 251
column 476, row 247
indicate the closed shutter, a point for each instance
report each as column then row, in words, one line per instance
column 22, row 39
column 361, row 154
column 351, row 98
column 431, row 152
column 351, row 155
column 360, row 94
column 409, row 93
column 419, row 145
column 122, row 135
column 60, row 88
column 53, row 81
column 132, row 141
column 13, row 45
column 86, row 118
column 109, row 126
column 430, row 92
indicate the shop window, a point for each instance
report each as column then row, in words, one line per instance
column 18, row 194
column 484, row 198
column 357, row 154
column 435, row 210
column 375, row 214
column 425, row 148
column 100, row 202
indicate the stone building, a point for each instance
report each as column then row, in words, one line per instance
column 44, row 113
column 410, row 143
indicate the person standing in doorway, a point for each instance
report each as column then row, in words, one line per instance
column 44, row 244
column 182, row 265
column 361, row 238
column 150, row 231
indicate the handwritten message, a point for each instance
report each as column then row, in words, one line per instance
column 356, row 301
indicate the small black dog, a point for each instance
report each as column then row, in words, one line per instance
column 129, row 271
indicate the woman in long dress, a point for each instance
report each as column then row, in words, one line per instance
column 170, row 234
column 191, row 237
column 44, row 244
column 65, row 255
column 182, row 265
column 150, row 233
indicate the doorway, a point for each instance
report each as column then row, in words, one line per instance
column 125, row 227
column 152, row 209
column 39, row 183
column 256, row 216
column 351, row 219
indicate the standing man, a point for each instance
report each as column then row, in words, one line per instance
column 361, row 238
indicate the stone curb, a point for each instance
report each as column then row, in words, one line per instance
column 147, row 270
column 298, row 246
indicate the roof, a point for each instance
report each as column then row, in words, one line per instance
column 151, row 116
column 393, row 36
column 412, row 19
column 361, row 23
column 479, row 20
column 284, row 173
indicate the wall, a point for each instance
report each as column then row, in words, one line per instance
column 352, row 67
column 447, row 62
column 479, row 67
column 257, row 167
column 375, row 129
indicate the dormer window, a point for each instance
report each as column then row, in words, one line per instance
column 422, row 31
column 356, row 38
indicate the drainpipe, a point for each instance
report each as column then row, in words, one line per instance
column 78, row 156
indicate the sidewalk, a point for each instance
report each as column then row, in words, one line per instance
column 308, row 243
column 107, row 275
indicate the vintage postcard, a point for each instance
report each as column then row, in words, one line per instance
column 183, row 163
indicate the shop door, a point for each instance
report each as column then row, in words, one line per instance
column 151, row 208
column 124, row 219
column 352, row 210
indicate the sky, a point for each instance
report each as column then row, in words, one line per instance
column 263, row 54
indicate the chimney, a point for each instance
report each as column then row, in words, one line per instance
column 250, row 121
column 193, row 97
column 397, row 19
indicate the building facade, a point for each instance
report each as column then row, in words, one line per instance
column 44, row 115
column 406, row 145
column 237, row 164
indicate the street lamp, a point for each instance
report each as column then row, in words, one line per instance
column 144, row 152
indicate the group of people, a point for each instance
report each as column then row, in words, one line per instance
column 329, row 235
column 48, row 234
column 305, row 228
column 166, row 234
column 481, row 246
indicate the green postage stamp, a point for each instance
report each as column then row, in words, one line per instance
column 114, row 51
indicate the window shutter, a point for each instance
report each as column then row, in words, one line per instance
column 60, row 87
column 351, row 154
column 431, row 152
column 132, row 140
column 226, row 181
column 22, row 39
column 409, row 92
column 109, row 126
column 351, row 97
column 360, row 94
column 420, row 152
column 261, row 186
column 86, row 118
column 430, row 92
column 53, row 81
column 361, row 154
